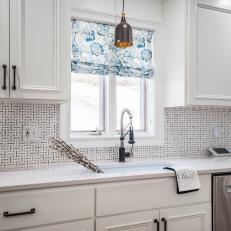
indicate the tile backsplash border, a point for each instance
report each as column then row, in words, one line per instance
column 188, row 134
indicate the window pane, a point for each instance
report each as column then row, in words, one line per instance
column 85, row 100
column 129, row 95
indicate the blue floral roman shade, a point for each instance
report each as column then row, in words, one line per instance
column 93, row 51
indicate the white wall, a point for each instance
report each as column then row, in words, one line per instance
column 148, row 10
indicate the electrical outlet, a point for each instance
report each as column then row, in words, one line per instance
column 30, row 133
column 216, row 132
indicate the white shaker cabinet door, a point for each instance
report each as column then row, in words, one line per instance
column 71, row 226
column 142, row 221
column 210, row 54
column 4, row 48
column 37, row 28
column 190, row 218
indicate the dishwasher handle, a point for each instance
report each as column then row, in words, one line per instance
column 227, row 188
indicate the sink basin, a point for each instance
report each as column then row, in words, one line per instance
column 133, row 167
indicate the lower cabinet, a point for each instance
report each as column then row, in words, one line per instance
column 142, row 221
column 190, row 218
column 145, row 205
column 42, row 207
column 87, row 225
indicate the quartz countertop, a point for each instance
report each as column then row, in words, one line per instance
column 69, row 175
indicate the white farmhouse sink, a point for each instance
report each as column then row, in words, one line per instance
column 133, row 166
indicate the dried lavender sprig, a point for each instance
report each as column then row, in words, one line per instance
column 73, row 154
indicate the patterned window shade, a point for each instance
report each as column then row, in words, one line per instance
column 93, row 51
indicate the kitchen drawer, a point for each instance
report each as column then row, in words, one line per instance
column 117, row 198
column 129, row 222
column 51, row 206
column 87, row 225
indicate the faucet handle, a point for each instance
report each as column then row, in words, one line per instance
column 127, row 154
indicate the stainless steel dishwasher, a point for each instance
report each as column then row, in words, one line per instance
column 222, row 202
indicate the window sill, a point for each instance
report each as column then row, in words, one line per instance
column 86, row 141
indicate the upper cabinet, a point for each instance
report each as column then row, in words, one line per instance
column 38, row 65
column 197, row 35
column 4, row 48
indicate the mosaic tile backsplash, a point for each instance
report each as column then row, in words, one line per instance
column 188, row 134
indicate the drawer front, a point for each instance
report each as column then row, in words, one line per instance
column 134, row 196
column 51, row 206
column 72, row 226
column 129, row 222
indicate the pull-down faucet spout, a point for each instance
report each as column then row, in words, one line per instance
column 123, row 134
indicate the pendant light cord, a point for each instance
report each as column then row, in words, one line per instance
column 123, row 12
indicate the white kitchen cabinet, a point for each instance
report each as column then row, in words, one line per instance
column 122, row 213
column 190, row 218
column 87, row 225
column 143, row 195
column 37, row 56
column 46, row 206
column 143, row 221
column 197, row 36
column 137, row 205
column 4, row 49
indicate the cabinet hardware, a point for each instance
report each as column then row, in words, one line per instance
column 4, row 76
column 156, row 221
column 14, row 78
column 165, row 223
column 7, row 214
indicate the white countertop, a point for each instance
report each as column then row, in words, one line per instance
column 57, row 176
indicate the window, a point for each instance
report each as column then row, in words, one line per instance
column 131, row 93
column 89, row 107
column 86, row 102
column 105, row 80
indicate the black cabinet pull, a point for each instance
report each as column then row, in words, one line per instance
column 156, row 221
column 4, row 77
column 165, row 223
column 14, row 78
column 7, row 214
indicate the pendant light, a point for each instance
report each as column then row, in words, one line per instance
column 123, row 33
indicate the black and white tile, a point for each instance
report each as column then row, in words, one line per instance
column 188, row 134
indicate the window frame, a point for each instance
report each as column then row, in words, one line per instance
column 107, row 96
column 155, row 134
column 101, row 110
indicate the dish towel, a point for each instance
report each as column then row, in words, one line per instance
column 186, row 178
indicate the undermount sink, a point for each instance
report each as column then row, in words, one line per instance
column 133, row 166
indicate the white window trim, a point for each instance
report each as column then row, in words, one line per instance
column 156, row 138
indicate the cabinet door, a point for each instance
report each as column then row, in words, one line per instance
column 143, row 221
column 72, row 226
column 210, row 52
column 35, row 48
column 190, row 218
column 4, row 48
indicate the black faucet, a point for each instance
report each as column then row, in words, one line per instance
column 122, row 153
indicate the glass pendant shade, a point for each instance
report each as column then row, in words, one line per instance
column 123, row 33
